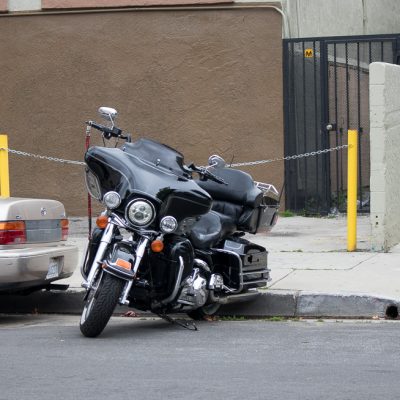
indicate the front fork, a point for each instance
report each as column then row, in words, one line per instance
column 104, row 243
column 98, row 260
column 140, row 249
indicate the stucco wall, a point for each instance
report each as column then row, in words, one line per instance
column 385, row 154
column 204, row 82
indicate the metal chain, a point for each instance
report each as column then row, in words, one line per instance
column 312, row 153
column 60, row 160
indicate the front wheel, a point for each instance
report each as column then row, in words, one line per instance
column 100, row 304
column 204, row 312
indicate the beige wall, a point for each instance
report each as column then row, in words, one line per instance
column 202, row 81
column 385, row 154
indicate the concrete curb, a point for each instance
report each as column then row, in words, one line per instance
column 291, row 304
column 68, row 302
column 315, row 305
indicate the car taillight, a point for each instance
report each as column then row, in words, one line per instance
column 12, row 232
column 64, row 229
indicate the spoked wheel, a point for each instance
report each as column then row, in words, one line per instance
column 100, row 304
column 204, row 312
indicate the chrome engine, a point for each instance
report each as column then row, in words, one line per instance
column 194, row 293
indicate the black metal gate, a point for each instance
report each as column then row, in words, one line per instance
column 326, row 92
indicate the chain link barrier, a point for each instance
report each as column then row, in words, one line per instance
column 243, row 164
column 40, row 157
column 312, row 153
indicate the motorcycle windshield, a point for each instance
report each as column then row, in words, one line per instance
column 159, row 155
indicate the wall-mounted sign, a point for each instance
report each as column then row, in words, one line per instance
column 308, row 53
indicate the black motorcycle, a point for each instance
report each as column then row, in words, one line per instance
column 168, row 243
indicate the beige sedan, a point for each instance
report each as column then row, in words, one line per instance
column 33, row 249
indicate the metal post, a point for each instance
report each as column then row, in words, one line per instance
column 4, row 171
column 352, row 155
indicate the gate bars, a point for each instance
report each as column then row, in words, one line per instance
column 326, row 93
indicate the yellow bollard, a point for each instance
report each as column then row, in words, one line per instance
column 4, row 172
column 352, row 165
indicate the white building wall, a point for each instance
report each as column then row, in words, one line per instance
column 382, row 16
column 24, row 5
column 385, row 155
column 317, row 18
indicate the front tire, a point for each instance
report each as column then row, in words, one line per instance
column 100, row 304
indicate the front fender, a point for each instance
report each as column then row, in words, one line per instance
column 121, row 260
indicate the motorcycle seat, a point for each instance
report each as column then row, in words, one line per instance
column 240, row 199
column 210, row 229
column 240, row 188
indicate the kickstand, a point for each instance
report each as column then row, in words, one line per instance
column 190, row 326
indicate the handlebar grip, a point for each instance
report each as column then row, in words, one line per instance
column 109, row 133
column 96, row 126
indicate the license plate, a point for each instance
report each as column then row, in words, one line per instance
column 54, row 267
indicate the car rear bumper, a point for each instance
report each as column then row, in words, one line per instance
column 36, row 266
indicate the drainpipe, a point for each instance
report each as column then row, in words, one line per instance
column 364, row 11
column 285, row 24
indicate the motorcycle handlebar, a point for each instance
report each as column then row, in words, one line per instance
column 109, row 132
column 206, row 174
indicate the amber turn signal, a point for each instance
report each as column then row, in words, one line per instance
column 157, row 246
column 64, row 229
column 102, row 221
column 123, row 264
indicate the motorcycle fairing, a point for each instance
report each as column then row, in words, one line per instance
column 129, row 175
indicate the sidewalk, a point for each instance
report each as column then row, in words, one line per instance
column 312, row 274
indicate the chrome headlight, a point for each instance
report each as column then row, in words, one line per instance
column 112, row 200
column 92, row 184
column 168, row 224
column 140, row 212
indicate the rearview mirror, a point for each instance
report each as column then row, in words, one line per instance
column 216, row 161
column 108, row 113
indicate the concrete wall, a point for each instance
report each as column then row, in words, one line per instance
column 316, row 18
column 385, row 155
column 204, row 82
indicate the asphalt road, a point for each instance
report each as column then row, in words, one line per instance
column 45, row 357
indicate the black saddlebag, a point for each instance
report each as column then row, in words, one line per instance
column 243, row 265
